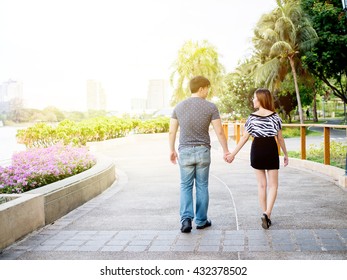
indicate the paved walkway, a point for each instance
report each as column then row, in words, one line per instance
column 137, row 218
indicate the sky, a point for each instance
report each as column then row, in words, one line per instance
column 54, row 46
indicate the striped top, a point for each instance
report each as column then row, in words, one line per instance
column 263, row 126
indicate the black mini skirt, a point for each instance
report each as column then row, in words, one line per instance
column 264, row 153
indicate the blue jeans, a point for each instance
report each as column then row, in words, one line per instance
column 194, row 165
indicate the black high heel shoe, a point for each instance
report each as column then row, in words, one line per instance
column 265, row 221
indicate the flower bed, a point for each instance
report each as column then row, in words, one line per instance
column 29, row 211
column 41, row 166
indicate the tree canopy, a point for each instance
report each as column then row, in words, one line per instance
column 328, row 58
column 196, row 58
column 279, row 38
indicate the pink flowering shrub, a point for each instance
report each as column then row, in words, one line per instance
column 41, row 166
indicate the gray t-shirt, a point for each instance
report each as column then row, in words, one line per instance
column 194, row 116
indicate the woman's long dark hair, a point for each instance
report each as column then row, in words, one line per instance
column 265, row 99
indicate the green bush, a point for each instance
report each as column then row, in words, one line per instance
column 338, row 152
column 315, row 153
column 158, row 125
column 90, row 130
column 76, row 133
column 289, row 132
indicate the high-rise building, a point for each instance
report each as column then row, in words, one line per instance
column 138, row 104
column 158, row 94
column 11, row 92
column 96, row 96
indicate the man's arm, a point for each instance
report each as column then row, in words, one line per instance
column 172, row 139
column 218, row 128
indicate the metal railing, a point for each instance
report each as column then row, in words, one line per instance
column 239, row 126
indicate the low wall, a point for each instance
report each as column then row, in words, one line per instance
column 334, row 173
column 21, row 215
column 65, row 195
column 34, row 209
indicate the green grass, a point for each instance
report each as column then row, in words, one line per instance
column 289, row 132
column 338, row 152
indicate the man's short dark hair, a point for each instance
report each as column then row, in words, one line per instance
column 198, row 82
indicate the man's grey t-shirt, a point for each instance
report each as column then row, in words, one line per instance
column 194, row 116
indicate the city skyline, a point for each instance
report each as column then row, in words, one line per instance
column 54, row 47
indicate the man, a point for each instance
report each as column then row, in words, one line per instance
column 193, row 116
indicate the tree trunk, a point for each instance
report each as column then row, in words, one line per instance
column 291, row 60
column 315, row 115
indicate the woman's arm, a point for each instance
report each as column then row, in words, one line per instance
column 282, row 144
column 238, row 147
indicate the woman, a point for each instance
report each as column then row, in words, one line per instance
column 264, row 126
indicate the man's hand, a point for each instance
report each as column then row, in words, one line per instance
column 228, row 157
column 173, row 157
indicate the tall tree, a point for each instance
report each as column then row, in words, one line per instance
column 328, row 59
column 196, row 58
column 279, row 38
column 238, row 94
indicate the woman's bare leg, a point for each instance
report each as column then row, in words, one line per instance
column 272, row 190
column 261, row 181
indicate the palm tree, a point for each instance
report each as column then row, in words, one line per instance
column 279, row 38
column 194, row 59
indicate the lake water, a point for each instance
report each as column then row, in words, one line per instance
column 8, row 143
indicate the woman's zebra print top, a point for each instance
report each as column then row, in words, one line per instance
column 263, row 126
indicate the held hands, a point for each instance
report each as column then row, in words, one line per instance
column 228, row 157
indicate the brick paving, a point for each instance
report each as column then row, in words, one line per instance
column 52, row 239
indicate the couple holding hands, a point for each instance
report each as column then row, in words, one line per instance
column 193, row 117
